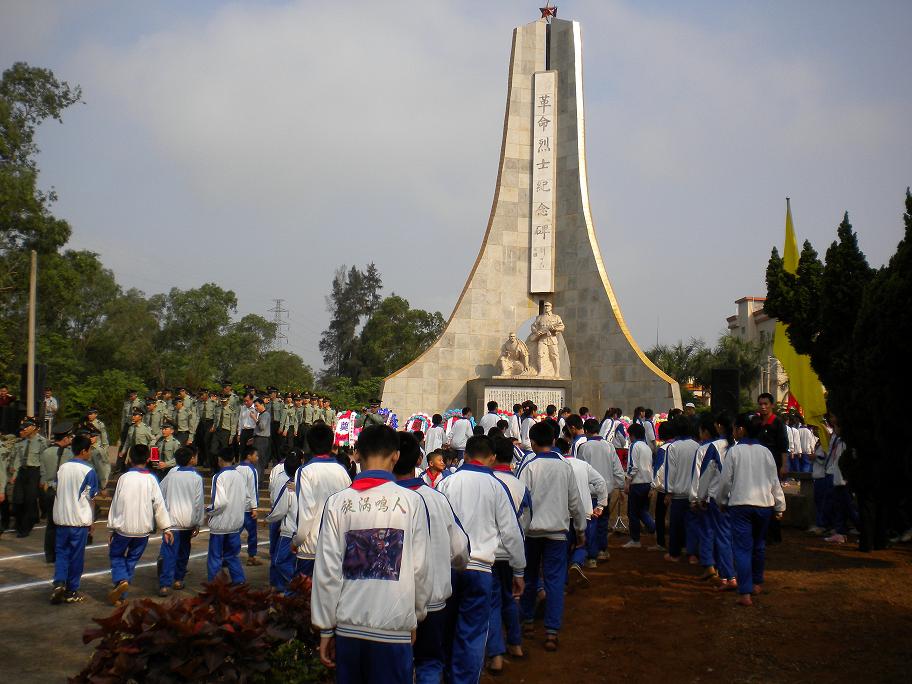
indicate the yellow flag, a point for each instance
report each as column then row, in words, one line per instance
column 803, row 381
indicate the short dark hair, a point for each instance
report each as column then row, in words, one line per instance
column 292, row 462
column 502, row 424
column 478, row 430
column 320, row 438
column 409, row 454
column 550, row 409
column 637, row 431
column 682, row 426
column 574, row 421
column 517, row 406
column 479, row 445
column 492, row 406
column 542, row 434
column 666, row 430
column 751, row 422
column 503, row 450
column 583, row 410
column 377, row 440
column 648, row 413
column 466, row 410
column 250, row 450
column 183, row 456
column 418, row 434
column 139, row 454
column 80, row 443
column 226, row 455
column 766, row 395
column 591, row 426
column 436, row 419
column 562, row 445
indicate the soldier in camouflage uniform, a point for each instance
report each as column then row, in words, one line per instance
column 27, row 477
column 137, row 433
column 7, row 473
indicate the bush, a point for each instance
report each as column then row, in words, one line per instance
column 224, row 634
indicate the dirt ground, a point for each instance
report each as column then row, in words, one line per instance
column 830, row 614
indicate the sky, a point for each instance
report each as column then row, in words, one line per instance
column 261, row 145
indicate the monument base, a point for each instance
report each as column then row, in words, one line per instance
column 510, row 390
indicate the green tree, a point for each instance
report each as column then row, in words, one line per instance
column 354, row 294
column 393, row 336
column 682, row 361
column 279, row 368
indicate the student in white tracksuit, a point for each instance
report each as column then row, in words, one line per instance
column 749, row 488
column 601, row 455
column 717, row 539
column 182, row 488
column 674, row 477
column 284, row 513
column 840, row 510
column 435, row 437
column 77, row 485
column 594, row 495
column 136, row 510
column 504, row 611
column 372, row 579
column 317, row 480
column 249, row 468
column 638, row 485
column 556, row 503
column 448, row 550
column 486, row 512
column 230, row 500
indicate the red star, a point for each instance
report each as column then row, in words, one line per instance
column 548, row 11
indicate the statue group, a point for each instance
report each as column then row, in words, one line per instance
column 539, row 355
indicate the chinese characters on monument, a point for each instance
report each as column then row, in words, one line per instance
column 544, row 201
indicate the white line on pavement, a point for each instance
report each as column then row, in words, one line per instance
column 41, row 553
column 97, row 573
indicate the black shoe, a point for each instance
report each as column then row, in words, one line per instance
column 59, row 594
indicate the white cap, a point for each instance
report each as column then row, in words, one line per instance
column 689, row 404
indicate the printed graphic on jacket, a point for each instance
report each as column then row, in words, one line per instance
column 374, row 553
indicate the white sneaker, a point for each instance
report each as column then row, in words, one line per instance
column 906, row 536
column 657, row 547
column 632, row 545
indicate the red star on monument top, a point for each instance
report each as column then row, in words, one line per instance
column 548, row 11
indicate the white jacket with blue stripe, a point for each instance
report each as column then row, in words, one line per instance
column 77, row 485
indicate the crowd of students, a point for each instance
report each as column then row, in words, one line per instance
column 438, row 554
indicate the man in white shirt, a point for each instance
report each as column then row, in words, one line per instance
column 461, row 431
column 489, row 420
column 246, row 424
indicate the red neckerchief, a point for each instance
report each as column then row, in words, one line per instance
column 769, row 421
column 368, row 483
column 477, row 463
column 503, row 468
column 433, row 475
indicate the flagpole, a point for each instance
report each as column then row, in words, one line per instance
column 30, row 364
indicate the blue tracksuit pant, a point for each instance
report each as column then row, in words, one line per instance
column 692, row 537
column 822, row 487
column 275, row 530
column 361, row 661
column 592, row 533
column 547, row 557
column 225, row 549
column 504, row 611
column 174, row 558
column 304, row 566
column 638, row 510
column 250, row 526
column 841, row 509
column 705, row 538
column 468, row 615
column 677, row 526
column 602, row 530
column 720, row 523
column 125, row 553
column 749, row 525
column 69, row 548
column 282, row 564
column 428, row 649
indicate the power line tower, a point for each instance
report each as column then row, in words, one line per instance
column 279, row 314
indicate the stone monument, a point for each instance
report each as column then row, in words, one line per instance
column 539, row 267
